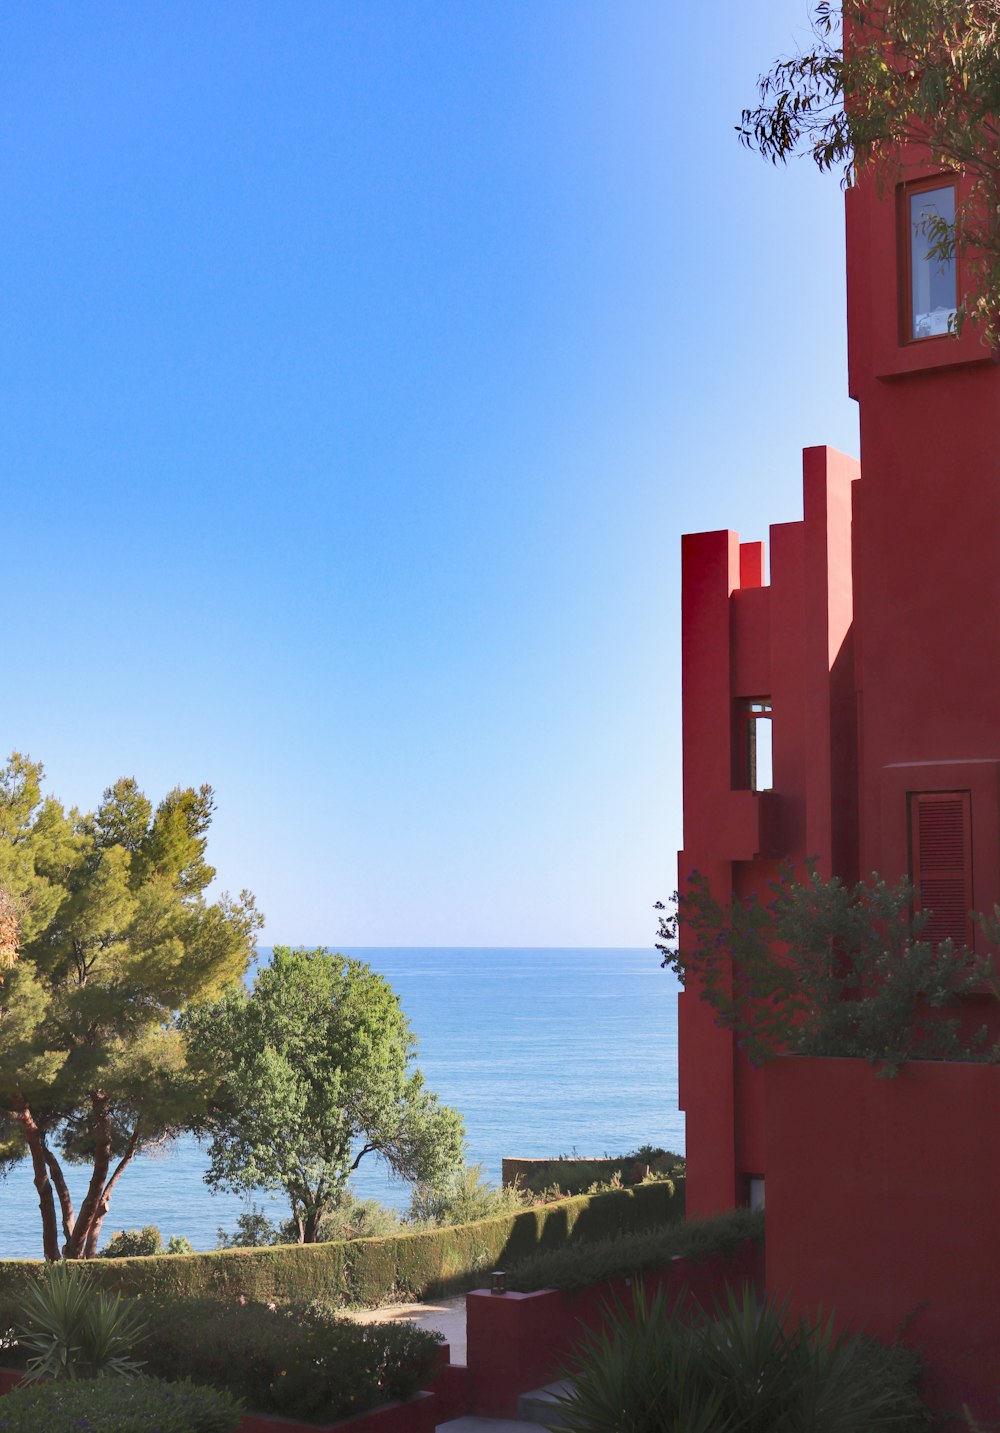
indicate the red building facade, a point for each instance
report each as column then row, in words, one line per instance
column 849, row 710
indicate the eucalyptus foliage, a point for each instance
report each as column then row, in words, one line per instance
column 313, row 1073
column 912, row 72
column 113, row 936
column 827, row 969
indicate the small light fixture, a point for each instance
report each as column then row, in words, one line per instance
column 498, row 1282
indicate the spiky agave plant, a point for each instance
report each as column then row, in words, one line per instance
column 73, row 1330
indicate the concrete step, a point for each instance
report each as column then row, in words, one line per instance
column 537, row 1406
column 471, row 1424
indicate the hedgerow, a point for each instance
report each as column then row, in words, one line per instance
column 369, row 1272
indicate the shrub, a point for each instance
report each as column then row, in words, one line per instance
column 749, row 1370
column 299, row 1360
column 253, row 1231
column 69, row 1329
column 467, row 1196
column 349, row 1218
column 118, row 1405
column 566, row 1176
column 133, row 1243
column 179, row 1244
column 580, row 1265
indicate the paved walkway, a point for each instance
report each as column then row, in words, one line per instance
column 447, row 1316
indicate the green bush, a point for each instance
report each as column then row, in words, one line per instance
column 133, row 1243
column 118, row 1405
column 566, row 1176
column 372, row 1271
column 467, row 1196
column 298, row 1360
column 579, row 1265
column 748, row 1370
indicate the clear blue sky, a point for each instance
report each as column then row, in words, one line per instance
column 362, row 364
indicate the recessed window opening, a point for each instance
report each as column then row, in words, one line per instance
column 933, row 276
column 757, row 755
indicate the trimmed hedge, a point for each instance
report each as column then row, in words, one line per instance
column 369, row 1272
column 579, row 1265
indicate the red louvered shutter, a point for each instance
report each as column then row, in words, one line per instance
column 941, row 858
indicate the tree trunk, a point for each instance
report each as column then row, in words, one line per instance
column 102, row 1204
column 35, row 1140
column 62, row 1190
column 310, row 1226
column 76, row 1244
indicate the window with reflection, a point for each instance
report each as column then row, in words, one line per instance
column 933, row 279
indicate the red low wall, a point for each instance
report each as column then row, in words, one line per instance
column 883, row 1204
column 517, row 1342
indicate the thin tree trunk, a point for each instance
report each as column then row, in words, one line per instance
column 62, row 1190
column 35, row 1140
column 105, row 1199
column 76, row 1244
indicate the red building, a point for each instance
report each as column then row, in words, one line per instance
column 849, row 711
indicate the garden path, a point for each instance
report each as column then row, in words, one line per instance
column 446, row 1316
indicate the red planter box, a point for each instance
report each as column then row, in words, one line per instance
column 521, row 1341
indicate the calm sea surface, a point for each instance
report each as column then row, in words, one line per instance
column 545, row 1052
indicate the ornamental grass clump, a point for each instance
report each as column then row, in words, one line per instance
column 748, row 1370
column 118, row 1405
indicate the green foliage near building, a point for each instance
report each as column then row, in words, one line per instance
column 913, row 71
column 828, row 969
column 106, row 935
column 311, row 1074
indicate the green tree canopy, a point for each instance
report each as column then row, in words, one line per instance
column 108, row 935
column 312, row 1074
column 913, row 72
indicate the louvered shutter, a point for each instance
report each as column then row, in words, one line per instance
column 941, row 836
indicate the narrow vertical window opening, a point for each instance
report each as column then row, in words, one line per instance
column 932, row 272
column 756, row 762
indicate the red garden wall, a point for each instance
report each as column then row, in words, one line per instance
column 884, row 1205
column 517, row 1342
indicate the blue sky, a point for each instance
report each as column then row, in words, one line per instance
column 360, row 366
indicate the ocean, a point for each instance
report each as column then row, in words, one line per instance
column 545, row 1052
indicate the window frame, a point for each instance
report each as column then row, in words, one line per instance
column 905, row 193
column 748, row 713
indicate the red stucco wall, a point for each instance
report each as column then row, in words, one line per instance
column 883, row 1203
